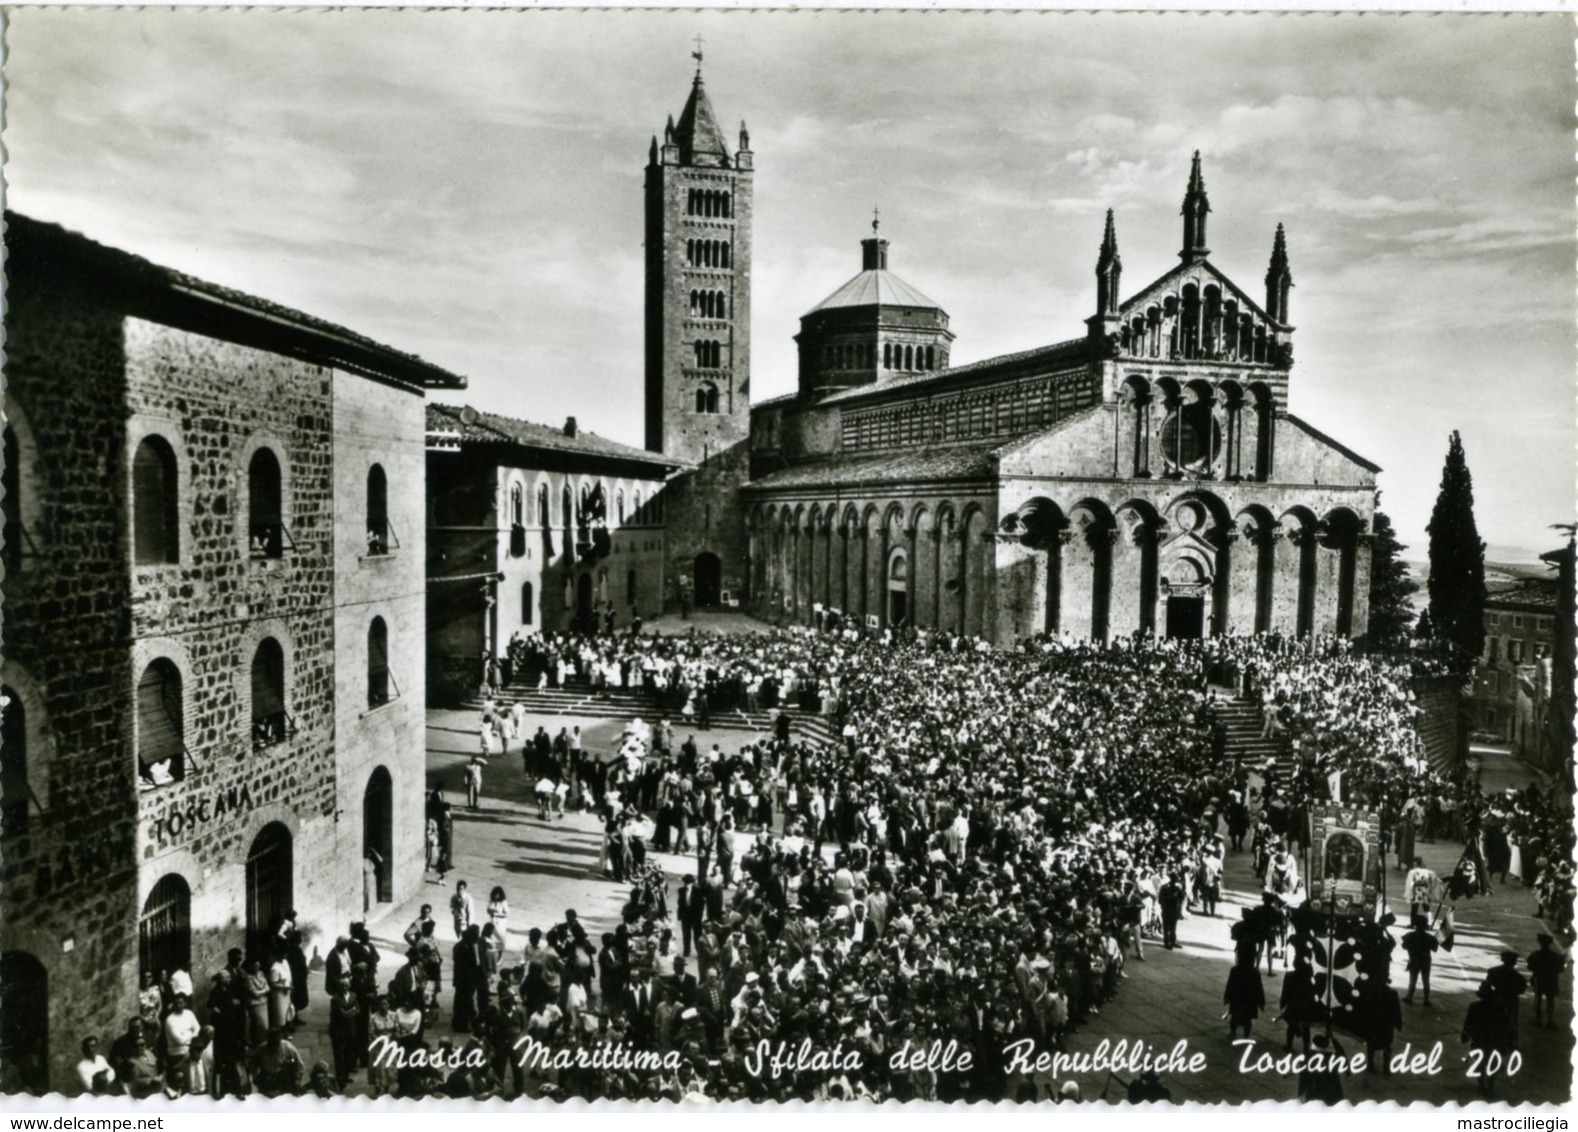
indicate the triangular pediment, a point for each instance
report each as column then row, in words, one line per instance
column 1202, row 274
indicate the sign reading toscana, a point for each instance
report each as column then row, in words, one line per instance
column 231, row 801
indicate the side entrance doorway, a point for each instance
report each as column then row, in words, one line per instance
column 708, row 580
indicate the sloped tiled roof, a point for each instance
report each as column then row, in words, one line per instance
column 1526, row 593
column 913, row 465
column 875, row 288
column 160, row 293
column 474, row 426
column 1072, row 350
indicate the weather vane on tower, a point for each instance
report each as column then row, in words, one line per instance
column 696, row 54
column 876, row 217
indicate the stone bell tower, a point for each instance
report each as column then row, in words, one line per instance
column 698, row 285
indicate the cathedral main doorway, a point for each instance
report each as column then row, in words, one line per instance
column 1185, row 616
column 708, row 580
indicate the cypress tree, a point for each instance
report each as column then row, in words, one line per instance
column 1457, row 561
column 1391, row 585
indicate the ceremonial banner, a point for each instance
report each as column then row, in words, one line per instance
column 1346, row 862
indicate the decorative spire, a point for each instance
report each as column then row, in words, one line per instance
column 668, row 131
column 745, row 137
column 1195, row 208
column 1279, row 279
column 874, row 249
column 697, row 132
column 652, row 152
column 1109, row 268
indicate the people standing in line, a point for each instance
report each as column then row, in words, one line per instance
column 1420, row 944
column 1545, row 974
column 1508, row 984
column 499, row 911
column 257, row 1000
column 1171, row 900
column 344, row 1023
column 279, row 987
column 296, row 960
column 181, row 1028
column 1381, row 1016
column 381, row 1034
column 1485, row 1031
column 446, row 838
column 1244, row 997
column 474, row 782
column 462, row 910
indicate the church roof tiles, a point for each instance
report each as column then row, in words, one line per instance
column 915, row 465
column 474, row 426
column 875, row 288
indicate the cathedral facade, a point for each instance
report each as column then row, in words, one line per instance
column 1143, row 476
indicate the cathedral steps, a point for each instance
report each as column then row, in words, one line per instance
column 1243, row 723
column 580, row 699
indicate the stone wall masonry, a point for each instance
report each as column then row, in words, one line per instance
column 703, row 514
column 216, row 403
column 386, row 426
column 68, row 881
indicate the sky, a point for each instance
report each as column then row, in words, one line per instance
column 467, row 186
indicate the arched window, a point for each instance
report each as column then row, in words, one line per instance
column 378, row 685
column 690, row 252
column 639, row 517
column 270, row 885
column 528, row 604
column 155, row 506
column 269, row 721
column 377, row 511
column 620, row 500
column 164, row 931
column 931, row 357
column 11, row 504
column 542, row 506
column 14, row 789
column 265, row 530
column 695, row 303
column 707, row 398
column 161, row 751
column 566, row 507
column 909, row 357
column 887, row 355
column 517, row 505
column 723, row 254
column 728, row 206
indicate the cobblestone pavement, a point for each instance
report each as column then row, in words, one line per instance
column 547, row 867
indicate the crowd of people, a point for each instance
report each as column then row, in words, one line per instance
column 992, row 839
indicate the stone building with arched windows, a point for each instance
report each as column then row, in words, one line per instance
column 214, row 587
column 530, row 529
column 1146, row 476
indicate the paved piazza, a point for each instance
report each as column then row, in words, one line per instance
column 546, row 868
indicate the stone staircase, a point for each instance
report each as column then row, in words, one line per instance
column 578, row 698
column 1243, row 722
